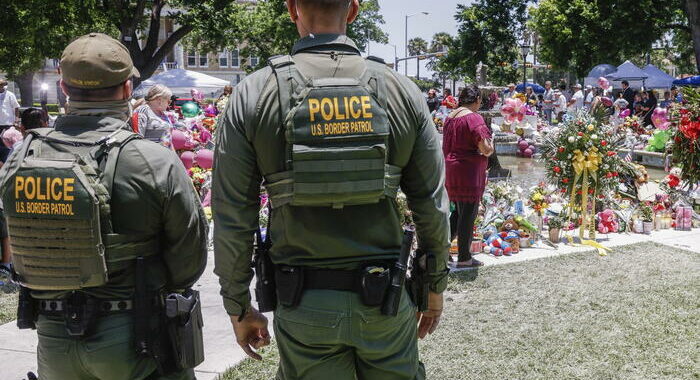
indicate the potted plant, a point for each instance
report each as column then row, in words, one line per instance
column 647, row 216
column 554, row 223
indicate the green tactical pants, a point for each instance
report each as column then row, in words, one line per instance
column 106, row 354
column 332, row 335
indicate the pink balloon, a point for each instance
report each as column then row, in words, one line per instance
column 527, row 153
column 204, row 136
column 603, row 83
column 179, row 139
column 624, row 113
column 606, row 101
column 532, row 148
column 522, row 144
column 660, row 118
column 187, row 159
column 205, row 158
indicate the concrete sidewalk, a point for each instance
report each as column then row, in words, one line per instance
column 18, row 347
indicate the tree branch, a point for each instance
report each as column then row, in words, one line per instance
column 151, row 63
column 153, row 29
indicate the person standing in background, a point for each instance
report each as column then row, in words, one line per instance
column 628, row 95
column 9, row 114
column 466, row 147
column 588, row 98
column 448, row 100
column 433, row 101
column 548, row 101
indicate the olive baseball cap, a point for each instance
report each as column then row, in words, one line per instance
column 96, row 61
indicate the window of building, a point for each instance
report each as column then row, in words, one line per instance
column 203, row 60
column 223, row 59
column 191, row 59
column 254, row 60
column 235, row 59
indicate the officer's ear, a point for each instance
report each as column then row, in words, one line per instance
column 353, row 11
column 292, row 9
column 127, row 89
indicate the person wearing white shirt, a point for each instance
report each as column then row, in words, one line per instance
column 559, row 104
column 9, row 113
column 576, row 101
column 590, row 95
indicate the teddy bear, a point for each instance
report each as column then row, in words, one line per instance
column 511, row 234
column 496, row 246
column 607, row 222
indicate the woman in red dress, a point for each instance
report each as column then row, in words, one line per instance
column 466, row 146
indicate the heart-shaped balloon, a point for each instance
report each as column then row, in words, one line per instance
column 624, row 113
column 179, row 139
column 660, row 118
column 187, row 159
column 205, row 158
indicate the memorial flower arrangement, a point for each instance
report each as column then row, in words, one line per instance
column 581, row 160
column 539, row 198
column 685, row 127
column 634, row 124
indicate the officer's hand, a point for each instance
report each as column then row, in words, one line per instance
column 251, row 332
column 428, row 320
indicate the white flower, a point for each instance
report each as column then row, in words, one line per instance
column 594, row 137
column 571, row 139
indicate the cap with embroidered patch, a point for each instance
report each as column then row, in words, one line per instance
column 96, row 61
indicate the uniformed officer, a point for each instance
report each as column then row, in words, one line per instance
column 331, row 136
column 83, row 281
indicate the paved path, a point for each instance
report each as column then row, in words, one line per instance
column 18, row 347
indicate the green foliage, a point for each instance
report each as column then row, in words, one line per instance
column 579, row 34
column 488, row 31
column 425, row 85
column 417, row 46
column 440, row 42
column 265, row 30
column 32, row 30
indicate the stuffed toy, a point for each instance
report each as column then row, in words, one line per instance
column 607, row 221
column 510, row 233
column 496, row 246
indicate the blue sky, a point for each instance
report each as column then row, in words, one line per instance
column 440, row 19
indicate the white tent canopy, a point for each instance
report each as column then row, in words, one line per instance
column 181, row 81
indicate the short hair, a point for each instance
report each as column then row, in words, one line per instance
column 31, row 118
column 158, row 91
column 626, row 83
column 325, row 4
column 562, row 86
column 469, row 95
column 549, row 82
column 674, row 88
column 511, row 84
column 92, row 93
column 447, row 91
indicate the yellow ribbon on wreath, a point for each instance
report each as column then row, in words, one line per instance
column 585, row 166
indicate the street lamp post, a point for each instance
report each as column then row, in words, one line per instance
column 396, row 58
column 406, row 37
column 525, row 50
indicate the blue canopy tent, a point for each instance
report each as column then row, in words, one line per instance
column 657, row 78
column 598, row 71
column 628, row 71
column 535, row 87
column 689, row 81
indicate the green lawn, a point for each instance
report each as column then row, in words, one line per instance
column 8, row 306
column 634, row 314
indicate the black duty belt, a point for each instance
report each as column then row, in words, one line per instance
column 57, row 307
column 332, row 279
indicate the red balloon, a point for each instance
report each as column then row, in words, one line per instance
column 187, row 159
column 205, row 158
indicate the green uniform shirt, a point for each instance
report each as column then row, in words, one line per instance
column 152, row 195
column 251, row 144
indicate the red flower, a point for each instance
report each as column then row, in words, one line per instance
column 609, row 175
column 611, row 153
column 603, row 143
column 561, row 149
column 683, row 111
column 578, row 192
column 590, row 191
column 580, row 133
column 557, row 169
column 563, row 190
column 616, row 174
column 565, row 180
